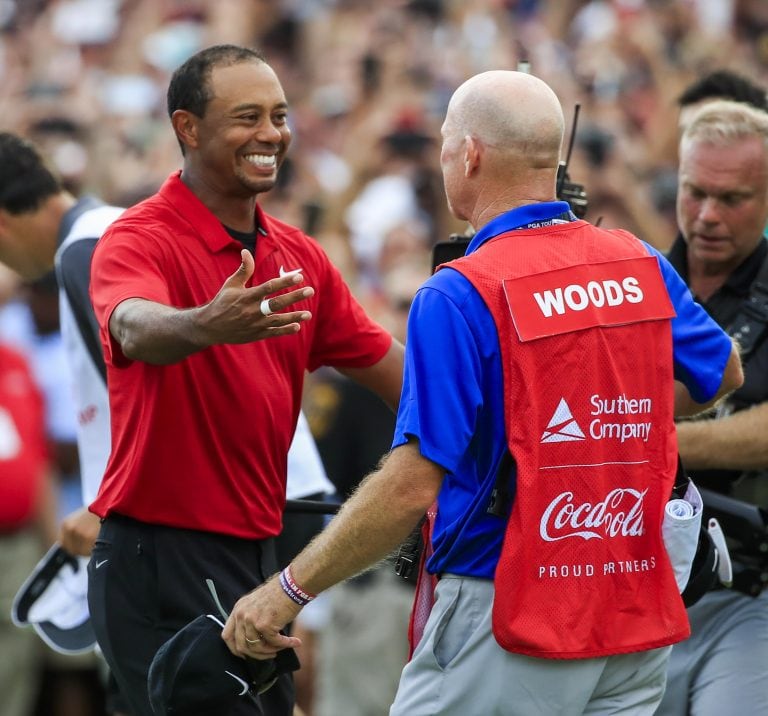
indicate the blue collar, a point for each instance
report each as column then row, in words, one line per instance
column 517, row 218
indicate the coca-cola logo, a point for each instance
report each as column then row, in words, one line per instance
column 619, row 514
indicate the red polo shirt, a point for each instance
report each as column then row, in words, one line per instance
column 202, row 443
column 23, row 451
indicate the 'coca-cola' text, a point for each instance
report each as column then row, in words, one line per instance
column 619, row 514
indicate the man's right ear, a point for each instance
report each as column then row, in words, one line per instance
column 184, row 124
column 471, row 155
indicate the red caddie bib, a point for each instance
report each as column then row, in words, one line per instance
column 583, row 318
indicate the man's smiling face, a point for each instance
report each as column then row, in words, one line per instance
column 244, row 135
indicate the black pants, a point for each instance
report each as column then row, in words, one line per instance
column 145, row 582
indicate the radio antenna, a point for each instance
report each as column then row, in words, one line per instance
column 564, row 165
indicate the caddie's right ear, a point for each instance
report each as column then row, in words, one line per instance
column 472, row 151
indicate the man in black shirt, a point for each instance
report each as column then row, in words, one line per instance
column 722, row 209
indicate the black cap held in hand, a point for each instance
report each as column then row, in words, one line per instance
column 195, row 674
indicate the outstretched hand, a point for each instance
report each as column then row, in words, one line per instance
column 240, row 314
column 253, row 627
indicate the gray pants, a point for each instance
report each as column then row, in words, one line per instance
column 458, row 669
column 723, row 668
column 364, row 645
column 21, row 650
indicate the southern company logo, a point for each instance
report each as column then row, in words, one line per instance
column 562, row 427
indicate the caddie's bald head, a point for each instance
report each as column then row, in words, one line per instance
column 511, row 112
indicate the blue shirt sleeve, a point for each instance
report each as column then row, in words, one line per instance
column 442, row 390
column 451, row 402
column 700, row 347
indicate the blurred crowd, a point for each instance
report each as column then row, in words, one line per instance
column 367, row 85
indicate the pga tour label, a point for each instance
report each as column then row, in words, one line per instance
column 578, row 297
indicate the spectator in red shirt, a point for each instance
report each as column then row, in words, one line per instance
column 27, row 516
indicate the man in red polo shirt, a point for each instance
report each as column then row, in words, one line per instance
column 207, row 333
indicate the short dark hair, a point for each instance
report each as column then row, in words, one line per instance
column 189, row 87
column 25, row 179
column 724, row 84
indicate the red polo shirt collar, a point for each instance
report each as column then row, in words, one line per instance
column 210, row 228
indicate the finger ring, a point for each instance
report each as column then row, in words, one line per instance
column 265, row 307
column 253, row 641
